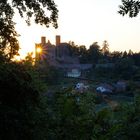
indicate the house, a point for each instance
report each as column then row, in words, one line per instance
column 105, row 88
column 121, row 86
column 74, row 73
column 74, row 70
column 81, row 87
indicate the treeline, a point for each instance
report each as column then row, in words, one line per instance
column 97, row 54
column 121, row 65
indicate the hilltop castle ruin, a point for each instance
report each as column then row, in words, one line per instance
column 59, row 56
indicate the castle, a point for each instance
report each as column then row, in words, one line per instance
column 59, row 56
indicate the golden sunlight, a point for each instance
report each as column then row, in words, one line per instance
column 38, row 50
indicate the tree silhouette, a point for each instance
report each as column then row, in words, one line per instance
column 105, row 48
column 94, row 52
column 130, row 7
column 37, row 10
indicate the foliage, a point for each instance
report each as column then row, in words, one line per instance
column 27, row 9
column 136, row 58
column 106, row 64
column 50, row 74
column 69, row 119
column 25, row 114
column 8, row 37
column 105, row 48
column 54, row 76
column 94, row 52
column 104, row 72
column 73, row 116
column 124, row 68
column 29, row 60
column 130, row 7
column 74, row 49
column 83, row 56
column 20, row 100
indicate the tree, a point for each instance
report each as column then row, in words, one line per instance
column 19, row 98
column 136, row 58
column 27, row 9
column 125, row 54
column 83, row 55
column 116, row 56
column 124, row 67
column 94, row 52
column 105, row 48
column 73, row 48
column 29, row 59
column 130, row 7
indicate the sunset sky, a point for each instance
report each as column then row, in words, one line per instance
column 85, row 22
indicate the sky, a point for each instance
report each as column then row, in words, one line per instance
column 85, row 22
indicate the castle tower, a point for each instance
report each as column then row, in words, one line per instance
column 58, row 40
column 43, row 40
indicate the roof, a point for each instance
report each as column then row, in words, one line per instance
column 106, row 86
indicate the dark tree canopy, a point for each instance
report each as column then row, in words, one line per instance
column 130, row 7
column 44, row 12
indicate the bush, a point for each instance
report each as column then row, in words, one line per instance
column 19, row 102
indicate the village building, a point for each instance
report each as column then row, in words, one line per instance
column 105, row 88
